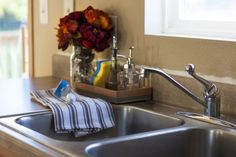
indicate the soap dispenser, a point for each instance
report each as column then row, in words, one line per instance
column 112, row 82
column 129, row 77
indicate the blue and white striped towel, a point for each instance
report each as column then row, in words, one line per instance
column 82, row 116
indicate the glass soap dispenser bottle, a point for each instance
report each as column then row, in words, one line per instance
column 129, row 77
column 112, row 82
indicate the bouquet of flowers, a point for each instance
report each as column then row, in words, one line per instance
column 87, row 30
column 90, row 28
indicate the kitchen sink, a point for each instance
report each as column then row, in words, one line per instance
column 129, row 120
column 138, row 133
column 193, row 142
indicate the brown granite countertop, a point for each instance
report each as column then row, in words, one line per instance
column 15, row 94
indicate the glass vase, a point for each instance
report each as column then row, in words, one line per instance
column 81, row 68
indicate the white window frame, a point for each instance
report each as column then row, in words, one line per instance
column 160, row 21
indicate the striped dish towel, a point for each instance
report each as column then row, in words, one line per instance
column 82, row 116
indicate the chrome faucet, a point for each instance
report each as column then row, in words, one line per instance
column 211, row 101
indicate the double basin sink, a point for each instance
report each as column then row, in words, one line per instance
column 138, row 133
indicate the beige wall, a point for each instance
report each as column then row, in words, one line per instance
column 210, row 57
column 45, row 41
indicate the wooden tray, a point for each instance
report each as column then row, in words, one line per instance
column 120, row 96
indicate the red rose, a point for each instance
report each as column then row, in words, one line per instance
column 77, row 15
column 72, row 26
column 85, row 43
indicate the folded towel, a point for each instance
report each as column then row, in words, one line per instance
column 81, row 116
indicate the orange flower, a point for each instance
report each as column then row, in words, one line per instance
column 91, row 15
column 105, row 21
column 97, row 18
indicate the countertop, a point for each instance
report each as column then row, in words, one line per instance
column 16, row 100
column 15, row 94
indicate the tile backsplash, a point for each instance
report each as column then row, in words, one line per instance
column 61, row 66
column 167, row 93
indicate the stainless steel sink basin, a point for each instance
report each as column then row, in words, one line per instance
column 178, row 143
column 129, row 120
column 150, row 135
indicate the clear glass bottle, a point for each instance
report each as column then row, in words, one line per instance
column 112, row 81
column 129, row 77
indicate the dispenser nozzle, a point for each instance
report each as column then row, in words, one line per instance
column 130, row 51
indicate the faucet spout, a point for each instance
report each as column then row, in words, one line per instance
column 211, row 101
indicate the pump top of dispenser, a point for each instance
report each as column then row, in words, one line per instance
column 130, row 63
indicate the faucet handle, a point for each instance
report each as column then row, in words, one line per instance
column 210, row 88
column 190, row 68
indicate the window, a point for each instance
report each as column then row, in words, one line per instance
column 205, row 18
column 13, row 39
